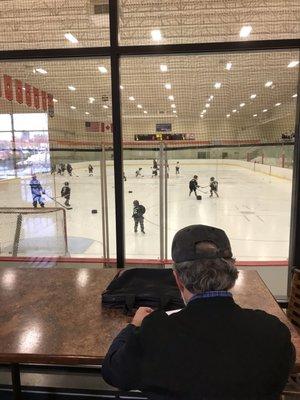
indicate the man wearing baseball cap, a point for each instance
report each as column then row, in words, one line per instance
column 212, row 349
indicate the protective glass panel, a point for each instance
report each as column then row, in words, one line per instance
column 193, row 21
column 228, row 118
column 50, row 159
column 29, row 24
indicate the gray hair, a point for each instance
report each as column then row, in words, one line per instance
column 207, row 274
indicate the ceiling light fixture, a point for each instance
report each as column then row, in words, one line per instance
column 168, row 86
column 91, row 100
column 268, row 84
column 242, row 105
column 252, row 96
column 217, row 85
column 131, row 98
column 228, row 66
column 265, row 110
column 171, row 97
column 245, row 31
column 72, row 88
column 145, row 112
column 55, row 100
column 87, row 113
column 207, row 105
column 121, row 87
column 139, row 106
column 71, row 38
column 173, row 105
column 227, row 115
column 295, row 95
column 156, row 35
column 105, row 106
column 204, row 111
column 174, row 112
column 293, row 64
column 254, row 115
column 277, row 104
column 163, row 67
column 234, row 111
column 102, row 70
column 41, row 71
column 73, row 107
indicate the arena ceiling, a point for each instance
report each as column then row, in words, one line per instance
column 27, row 24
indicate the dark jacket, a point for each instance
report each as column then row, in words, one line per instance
column 212, row 349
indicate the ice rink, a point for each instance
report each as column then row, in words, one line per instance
column 253, row 208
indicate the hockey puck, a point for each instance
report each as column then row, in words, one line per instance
column 129, row 191
column 94, row 211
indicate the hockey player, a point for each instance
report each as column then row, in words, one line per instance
column 193, row 185
column 213, row 184
column 155, row 166
column 66, row 193
column 91, row 170
column 53, row 169
column 138, row 173
column 63, row 168
column 177, row 167
column 138, row 215
column 69, row 169
column 36, row 191
column 154, row 171
column 124, row 176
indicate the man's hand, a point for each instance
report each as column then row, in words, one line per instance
column 141, row 313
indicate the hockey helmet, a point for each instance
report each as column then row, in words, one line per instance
column 212, row 178
column 136, row 203
column 66, row 183
column 195, row 176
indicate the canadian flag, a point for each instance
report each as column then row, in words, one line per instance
column 106, row 127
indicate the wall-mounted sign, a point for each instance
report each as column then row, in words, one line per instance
column 164, row 127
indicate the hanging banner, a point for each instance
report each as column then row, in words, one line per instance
column 50, row 105
column 19, row 91
column 44, row 100
column 28, row 97
column 8, row 87
column 36, row 98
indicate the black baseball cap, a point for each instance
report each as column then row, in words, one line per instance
column 184, row 243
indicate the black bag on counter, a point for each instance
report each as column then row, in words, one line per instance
column 143, row 287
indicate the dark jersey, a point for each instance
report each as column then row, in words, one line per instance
column 138, row 211
column 193, row 185
column 65, row 191
column 214, row 185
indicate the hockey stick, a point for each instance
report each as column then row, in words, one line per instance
column 202, row 191
column 62, row 205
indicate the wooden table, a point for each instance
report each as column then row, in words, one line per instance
column 54, row 316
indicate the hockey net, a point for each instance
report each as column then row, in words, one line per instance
column 33, row 232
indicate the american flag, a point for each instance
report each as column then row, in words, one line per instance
column 98, row 127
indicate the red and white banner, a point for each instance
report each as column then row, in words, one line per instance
column 19, row 91
column 36, row 98
column 8, row 87
column 28, row 97
column 41, row 99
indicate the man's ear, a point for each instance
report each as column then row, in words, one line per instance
column 178, row 281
